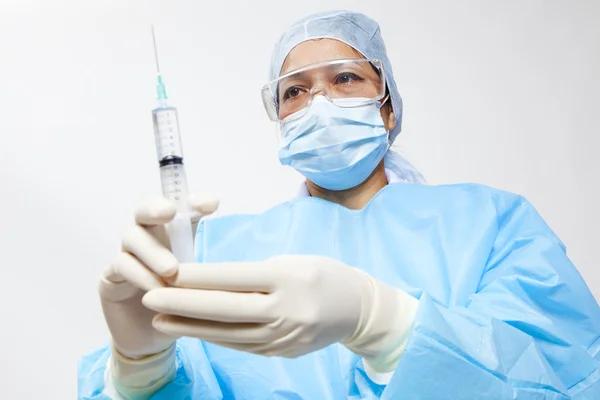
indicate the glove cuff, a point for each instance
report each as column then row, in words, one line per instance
column 386, row 322
column 140, row 378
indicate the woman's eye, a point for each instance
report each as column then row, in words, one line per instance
column 347, row 77
column 292, row 92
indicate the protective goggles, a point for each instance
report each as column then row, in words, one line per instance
column 346, row 83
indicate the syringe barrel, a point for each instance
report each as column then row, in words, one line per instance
column 174, row 182
column 166, row 132
column 174, row 188
column 181, row 237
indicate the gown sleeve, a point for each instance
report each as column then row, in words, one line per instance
column 531, row 330
column 194, row 377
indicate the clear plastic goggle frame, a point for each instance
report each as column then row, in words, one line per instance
column 354, row 82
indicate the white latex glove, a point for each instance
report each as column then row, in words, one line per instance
column 140, row 352
column 286, row 306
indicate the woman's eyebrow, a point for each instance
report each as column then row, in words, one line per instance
column 348, row 66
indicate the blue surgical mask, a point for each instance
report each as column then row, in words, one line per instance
column 333, row 146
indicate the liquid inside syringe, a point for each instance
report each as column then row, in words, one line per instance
column 170, row 157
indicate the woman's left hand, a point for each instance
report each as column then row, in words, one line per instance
column 286, row 306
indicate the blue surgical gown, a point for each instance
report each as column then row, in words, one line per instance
column 503, row 313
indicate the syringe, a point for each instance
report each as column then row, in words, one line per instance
column 172, row 172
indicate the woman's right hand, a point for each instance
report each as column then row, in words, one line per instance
column 143, row 263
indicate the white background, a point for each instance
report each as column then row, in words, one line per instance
column 503, row 93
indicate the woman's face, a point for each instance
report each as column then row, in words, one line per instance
column 318, row 50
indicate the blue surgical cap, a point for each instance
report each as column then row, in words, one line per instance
column 356, row 30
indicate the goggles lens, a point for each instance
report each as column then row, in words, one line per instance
column 360, row 79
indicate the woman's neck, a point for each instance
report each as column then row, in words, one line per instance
column 354, row 198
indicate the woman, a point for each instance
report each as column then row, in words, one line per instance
column 368, row 285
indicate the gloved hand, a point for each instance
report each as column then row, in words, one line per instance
column 145, row 260
column 286, row 306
